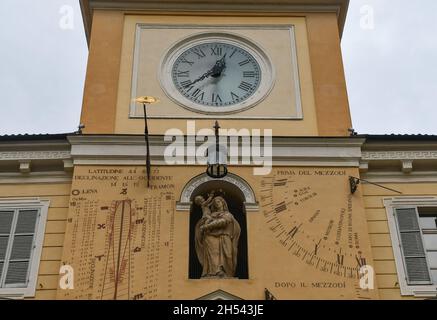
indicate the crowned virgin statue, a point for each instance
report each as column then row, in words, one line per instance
column 216, row 238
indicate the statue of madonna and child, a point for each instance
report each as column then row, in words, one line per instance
column 216, row 238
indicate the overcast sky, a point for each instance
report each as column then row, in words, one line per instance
column 389, row 50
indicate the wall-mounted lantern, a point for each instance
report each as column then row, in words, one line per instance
column 217, row 157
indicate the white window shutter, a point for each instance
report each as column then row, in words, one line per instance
column 416, row 266
column 3, row 247
column 17, row 272
column 22, row 247
column 26, row 221
column 22, row 225
column 6, row 221
column 6, row 218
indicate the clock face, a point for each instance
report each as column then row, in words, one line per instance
column 216, row 74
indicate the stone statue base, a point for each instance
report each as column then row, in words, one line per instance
column 218, row 277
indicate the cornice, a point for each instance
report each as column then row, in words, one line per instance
column 400, row 177
column 212, row 6
column 159, row 140
column 400, row 155
column 287, row 151
column 415, row 162
column 34, row 155
column 413, row 165
column 36, row 178
column 26, row 162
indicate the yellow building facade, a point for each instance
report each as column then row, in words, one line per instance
column 307, row 210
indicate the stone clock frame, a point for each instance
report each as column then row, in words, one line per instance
column 231, row 30
column 263, row 60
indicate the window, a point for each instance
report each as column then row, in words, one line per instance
column 428, row 225
column 22, row 224
column 413, row 228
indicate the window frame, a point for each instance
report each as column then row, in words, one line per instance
column 13, row 204
column 391, row 204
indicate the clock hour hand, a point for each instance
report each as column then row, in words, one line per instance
column 219, row 66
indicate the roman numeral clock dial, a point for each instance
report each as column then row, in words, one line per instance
column 214, row 74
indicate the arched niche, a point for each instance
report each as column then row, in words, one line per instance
column 184, row 203
column 240, row 199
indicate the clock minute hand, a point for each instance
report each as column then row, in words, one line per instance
column 203, row 76
column 215, row 71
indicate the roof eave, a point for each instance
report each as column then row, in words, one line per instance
column 87, row 7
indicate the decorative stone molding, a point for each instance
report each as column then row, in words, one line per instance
column 399, row 155
column 35, row 178
column 68, row 165
column 364, row 166
column 408, row 161
column 24, row 166
column 407, row 166
column 184, row 202
column 34, row 155
column 400, row 177
column 47, row 153
column 219, row 295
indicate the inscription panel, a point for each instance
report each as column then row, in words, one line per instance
column 320, row 230
column 119, row 237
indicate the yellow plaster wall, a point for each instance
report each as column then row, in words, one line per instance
column 58, row 194
column 274, row 103
column 379, row 232
column 268, row 260
column 326, row 110
column 329, row 82
column 101, row 82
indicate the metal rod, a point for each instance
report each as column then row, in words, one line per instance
column 378, row 185
column 146, row 137
column 117, row 276
column 217, row 156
